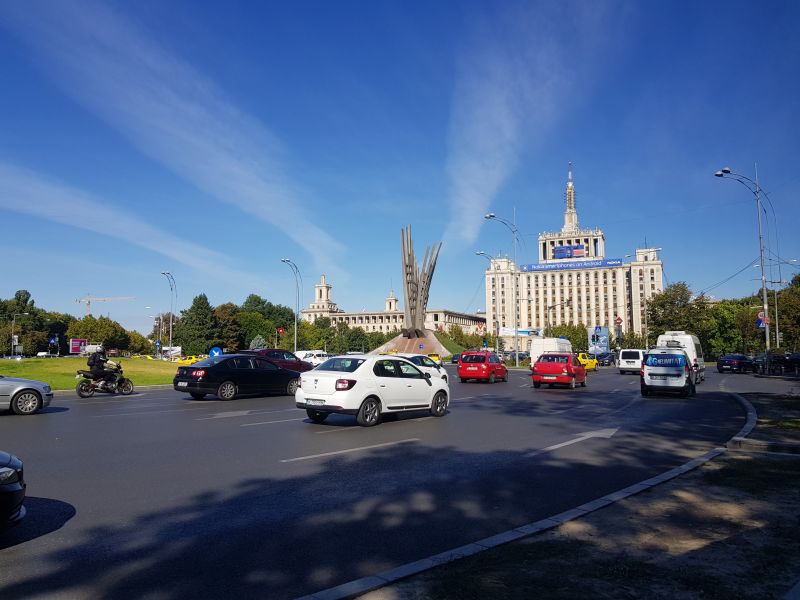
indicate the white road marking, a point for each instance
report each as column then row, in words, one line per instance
column 341, row 429
column 601, row 433
column 359, row 449
column 242, row 413
column 271, row 422
column 464, row 398
column 139, row 414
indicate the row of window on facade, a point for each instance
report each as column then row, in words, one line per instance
column 543, row 279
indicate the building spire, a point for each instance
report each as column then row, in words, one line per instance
column 570, row 215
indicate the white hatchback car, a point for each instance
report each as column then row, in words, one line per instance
column 315, row 357
column 426, row 364
column 667, row 370
column 368, row 387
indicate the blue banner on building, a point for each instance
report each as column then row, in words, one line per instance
column 583, row 264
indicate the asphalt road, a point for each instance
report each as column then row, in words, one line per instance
column 162, row 496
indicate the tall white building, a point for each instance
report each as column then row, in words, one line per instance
column 573, row 283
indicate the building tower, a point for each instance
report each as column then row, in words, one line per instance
column 570, row 215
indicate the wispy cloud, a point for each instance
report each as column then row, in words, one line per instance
column 23, row 191
column 515, row 82
column 169, row 110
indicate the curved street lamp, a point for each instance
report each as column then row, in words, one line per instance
column 173, row 292
column 755, row 189
column 296, row 272
column 512, row 226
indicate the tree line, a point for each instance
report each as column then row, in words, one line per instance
column 723, row 326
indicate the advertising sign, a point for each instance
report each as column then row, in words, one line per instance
column 77, row 345
column 569, row 251
column 509, row 331
column 581, row 264
column 598, row 339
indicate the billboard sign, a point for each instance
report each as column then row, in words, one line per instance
column 569, row 251
column 580, row 264
column 77, row 345
column 598, row 339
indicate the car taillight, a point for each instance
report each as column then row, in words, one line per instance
column 641, row 371
column 199, row 373
column 345, row 384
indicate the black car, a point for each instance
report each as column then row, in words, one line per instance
column 607, row 359
column 231, row 375
column 770, row 364
column 454, row 359
column 12, row 490
column 734, row 363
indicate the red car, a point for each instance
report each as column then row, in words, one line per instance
column 282, row 358
column 485, row 366
column 558, row 367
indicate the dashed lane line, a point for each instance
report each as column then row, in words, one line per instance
column 359, row 449
column 271, row 422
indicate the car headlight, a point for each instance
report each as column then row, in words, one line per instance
column 47, row 389
column 8, row 475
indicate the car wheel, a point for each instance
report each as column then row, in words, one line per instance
column 291, row 387
column 84, row 389
column 317, row 415
column 693, row 391
column 583, row 383
column 537, row 385
column 125, row 387
column 572, row 384
column 439, row 405
column 686, row 389
column 226, row 390
column 621, row 372
column 370, row 412
column 645, row 392
column 26, row 402
column 197, row 395
column 492, row 378
column 463, row 380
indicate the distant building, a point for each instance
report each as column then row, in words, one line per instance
column 389, row 319
column 573, row 283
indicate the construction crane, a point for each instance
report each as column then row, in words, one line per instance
column 87, row 300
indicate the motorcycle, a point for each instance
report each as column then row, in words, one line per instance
column 89, row 383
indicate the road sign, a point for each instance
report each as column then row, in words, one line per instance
column 421, row 346
column 618, row 321
column 53, row 341
column 215, row 351
column 280, row 330
column 158, row 344
column 761, row 315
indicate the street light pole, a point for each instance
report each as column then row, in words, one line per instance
column 495, row 324
column 296, row 272
column 173, row 292
column 13, row 320
column 512, row 226
column 726, row 173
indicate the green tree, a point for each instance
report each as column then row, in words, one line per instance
column 197, row 331
column 230, row 331
column 138, row 344
column 102, row 330
column 675, row 309
column 254, row 324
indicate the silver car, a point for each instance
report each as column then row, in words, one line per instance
column 24, row 396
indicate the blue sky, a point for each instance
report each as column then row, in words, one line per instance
column 213, row 139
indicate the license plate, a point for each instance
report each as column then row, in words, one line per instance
column 472, row 368
column 183, row 383
column 314, row 402
column 548, row 376
column 658, row 376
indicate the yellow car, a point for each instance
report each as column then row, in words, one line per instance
column 189, row 360
column 435, row 358
column 588, row 360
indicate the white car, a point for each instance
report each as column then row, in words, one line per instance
column 426, row 364
column 668, row 370
column 630, row 359
column 315, row 357
column 368, row 387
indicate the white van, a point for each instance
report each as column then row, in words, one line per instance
column 691, row 345
column 630, row 360
column 548, row 344
column 315, row 357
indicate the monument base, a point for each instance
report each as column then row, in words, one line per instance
column 404, row 344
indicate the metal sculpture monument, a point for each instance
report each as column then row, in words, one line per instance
column 416, row 284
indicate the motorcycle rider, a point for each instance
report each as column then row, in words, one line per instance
column 96, row 362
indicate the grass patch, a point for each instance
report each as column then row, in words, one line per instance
column 60, row 372
column 448, row 343
column 757, row 475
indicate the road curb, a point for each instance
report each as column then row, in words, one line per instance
column 379, row 580
column 741, row 443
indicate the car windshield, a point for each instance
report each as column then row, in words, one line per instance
column 553, row 358
column 210, row 361
column 629, row 354
column 665, row 360
column 473, row 358
column 341, row 363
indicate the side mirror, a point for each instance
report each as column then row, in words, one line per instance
column 427, row 375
